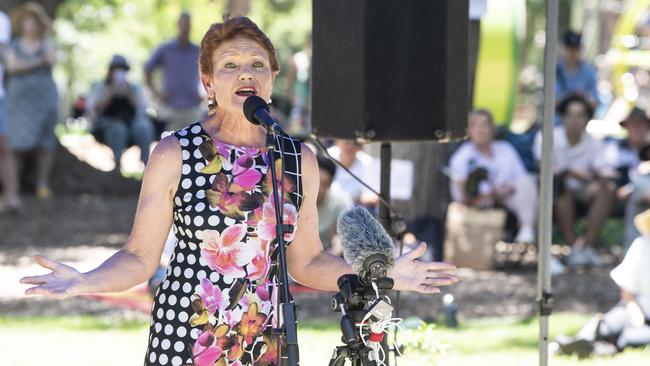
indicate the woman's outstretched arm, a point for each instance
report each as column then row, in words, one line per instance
column 139, row 258
column 310, row 265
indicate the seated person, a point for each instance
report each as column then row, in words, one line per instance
column 118, row 107
column 582, row 179
column 485, row 172
column 350, row 154
column 331, row 202
column 628, row 323
column 623, row 155
column 638, row 199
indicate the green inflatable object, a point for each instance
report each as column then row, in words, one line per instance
column 495, row 86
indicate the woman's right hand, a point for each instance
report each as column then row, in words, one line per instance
column 64, row 281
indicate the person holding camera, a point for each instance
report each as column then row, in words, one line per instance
column 487, row 172
column 118, row 106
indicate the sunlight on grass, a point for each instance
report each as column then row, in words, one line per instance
column 94, row 340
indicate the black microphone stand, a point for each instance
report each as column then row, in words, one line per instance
column 287, row 328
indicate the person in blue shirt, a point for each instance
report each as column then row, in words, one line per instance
column 573, row 74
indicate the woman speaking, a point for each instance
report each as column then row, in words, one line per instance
column 210, row 182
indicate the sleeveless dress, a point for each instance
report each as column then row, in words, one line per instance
column 32, row 104
column 216, row 305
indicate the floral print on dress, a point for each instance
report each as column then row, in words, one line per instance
column 234, row 321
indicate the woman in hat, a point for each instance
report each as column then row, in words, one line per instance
column 32, row 98
column 118, row 109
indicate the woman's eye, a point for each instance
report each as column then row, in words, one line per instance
column 230, row 65
column 258, row 64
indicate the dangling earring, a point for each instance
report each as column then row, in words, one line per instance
column 212, row 106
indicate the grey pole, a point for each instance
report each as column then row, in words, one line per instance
column 544, row 296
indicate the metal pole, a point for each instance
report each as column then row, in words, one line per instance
column 384, row 213
column 544, row 297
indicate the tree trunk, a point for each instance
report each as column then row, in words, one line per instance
column 430, row 186
column 238, row 7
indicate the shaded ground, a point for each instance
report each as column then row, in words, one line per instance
column 83, row 230
column 91, row 216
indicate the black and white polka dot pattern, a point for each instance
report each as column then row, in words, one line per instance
column 171, row 335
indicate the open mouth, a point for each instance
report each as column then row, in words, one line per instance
column 246, row 91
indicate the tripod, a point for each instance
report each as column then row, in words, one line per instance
column 353, row 301
column 358, row 354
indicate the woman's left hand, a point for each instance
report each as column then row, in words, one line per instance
column 411, row 274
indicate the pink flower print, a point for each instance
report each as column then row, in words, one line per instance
column 226, row 252
column 233, row 317
column 223, row 149
column 266, row 226
column 244, row 173
column 262, row 292
column 204, row 351
column 288, row 185
column 259, row 265
column 230, row 201
column 269, row 356
column 212, row 297
column 252, row 150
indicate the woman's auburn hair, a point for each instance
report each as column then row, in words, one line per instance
column 35, row 10
column 239, row 26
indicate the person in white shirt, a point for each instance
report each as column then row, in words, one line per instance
column 583, row 179
column 628, row 323
column 505, row 179
column 349, row 153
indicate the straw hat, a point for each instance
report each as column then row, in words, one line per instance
column 642, row 222
column 34, row 9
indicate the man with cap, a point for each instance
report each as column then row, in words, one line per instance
column 117, row 107
column 573, row 74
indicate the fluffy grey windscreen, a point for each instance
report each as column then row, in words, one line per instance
column 361, row 236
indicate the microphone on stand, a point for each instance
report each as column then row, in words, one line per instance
column 367, row 247
column 366, row 311
column 257, row 112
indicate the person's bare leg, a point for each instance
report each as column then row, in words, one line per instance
column 566, row 217
column 10, row 177
column 602, row 199
column 44, row 162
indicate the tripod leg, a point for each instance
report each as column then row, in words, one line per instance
column 338, row 358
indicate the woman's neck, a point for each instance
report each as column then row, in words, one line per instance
column 30, row 38
column 234, row 129
column 573, row 139
column 485, row 149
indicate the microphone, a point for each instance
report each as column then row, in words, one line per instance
column 367, row 247
column 257, row 112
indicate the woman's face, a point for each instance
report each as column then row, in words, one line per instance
column 479, row 129
column 29, row 26
column 637, row 130
column 240, row 68
column 575, row 119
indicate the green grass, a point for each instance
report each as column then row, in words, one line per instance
column 70, row 323
column 499, row 342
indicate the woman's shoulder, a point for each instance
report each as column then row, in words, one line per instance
column 167, row 149
column 464, row 150
column 504, row 146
